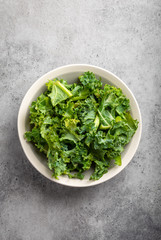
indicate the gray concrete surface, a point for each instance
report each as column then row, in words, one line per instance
column 121, row 36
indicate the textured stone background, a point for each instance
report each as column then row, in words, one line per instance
column 121, row 36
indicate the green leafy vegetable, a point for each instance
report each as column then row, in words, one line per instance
column 81, row 126
column 59, row 93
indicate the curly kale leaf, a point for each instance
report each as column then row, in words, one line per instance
column 59, row 93
column 89, row 81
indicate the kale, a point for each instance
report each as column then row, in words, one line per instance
column 81, row 126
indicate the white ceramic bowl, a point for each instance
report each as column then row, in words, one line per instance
column 71, row 73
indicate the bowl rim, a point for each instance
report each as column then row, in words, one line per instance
column 93, row 183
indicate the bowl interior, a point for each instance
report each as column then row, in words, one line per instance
column 71, row 74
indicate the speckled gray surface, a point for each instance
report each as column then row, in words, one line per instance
column 121, row 36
